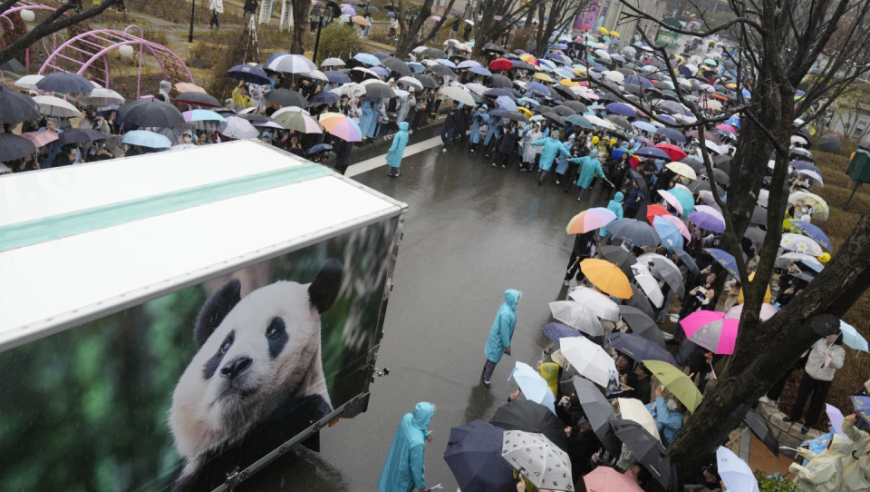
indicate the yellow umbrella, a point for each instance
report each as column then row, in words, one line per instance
column 767, row 295
column 682, row 169
column 607, row 277
column 603, row 30
column 542, row 77
column 569, row 83
column 525, row 112
column 530, row 59
column 614, row 34
column 676, row 382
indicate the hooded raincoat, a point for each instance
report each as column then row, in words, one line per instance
column 614, row 206
column 824, row 472
column 856, row 468
column 478, row 118
column 394, row 156
column 503, row 326
column 552, row 148
column 403, row 470
column 494, row 129
column 589, row 167
column 369, row 119
column 530, row 152
column 550, row 372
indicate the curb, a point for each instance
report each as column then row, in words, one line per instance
column 360, row 154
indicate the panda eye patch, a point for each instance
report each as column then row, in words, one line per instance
column 212, row 364
column 276, row 336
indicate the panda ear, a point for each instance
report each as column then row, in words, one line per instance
column 215, row 309
column 324, row 289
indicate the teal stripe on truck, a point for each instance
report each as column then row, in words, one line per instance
column 64, row 225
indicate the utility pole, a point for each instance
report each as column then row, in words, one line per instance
column 192, row 16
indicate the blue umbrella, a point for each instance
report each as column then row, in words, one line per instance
column 474, row 456
column 145, row 138
column 381, row 70
column 391, row 15
column 725, row 260
column 668, row 118
column 367, row 59
column 733, row 121
column 65, row 83
column 319, row 148
column 276, row 55
column 617, row 153
column 380, row 56
column 668, row 232
column 555, row 331
column 644, row 82
column 337, row 77
column 249, row 74
column 707, row 222
column 528, row 100
column 533, row 386
column 672, row 134
column 505, row 103
column 643, row 125
column 652, row 153
column 685, row 198
column 621, row 109
column 852, row 338
column 805, row 166
column 861, row 405
column 639, row 348
column 446, row 62
column 416, row 67
column 480, row 71
column 497, row 112
column 324, row 98
column 539, row 88
column 813, row 232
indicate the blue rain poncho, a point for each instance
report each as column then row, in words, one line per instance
column 503, row 326
column 397, row 149
column 589, row 167
column 552, row 148
column 614, row 206
column 403, row 470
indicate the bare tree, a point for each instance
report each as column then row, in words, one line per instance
column 489, row 27
column 413, row 35
column 301, row 10
column 561, row 14
column 68, row 14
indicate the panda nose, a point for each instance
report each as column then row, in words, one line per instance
column 235, row 367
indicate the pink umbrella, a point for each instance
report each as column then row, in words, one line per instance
column 606, row 479
column 435, row 18
column 711, row 330
column 767, row 311
column 672, row 200
column 341, row 126
column 725, row 127
column 557, row 52
column 681, row 226
column 42, row 138
column 590, row 219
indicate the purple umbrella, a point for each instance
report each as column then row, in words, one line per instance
column 539, row 89
column 707, row 222
column 813, row 232
column 348, row 10
column 652, row 153
column 621, row 109
column 672, row 134
column 555, row 331
column 249, row 74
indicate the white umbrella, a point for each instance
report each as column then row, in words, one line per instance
column 411, row 81
column 238, row 128
column 55, row 106
column 332, row 62
column 289, row 109
column 707, row 209
column 458, row 94
column 317, row 75
column 817, row 179
column 533, row 386
column 763, row 197
column 634, row 409
column 600, row 122
column 810, row 261
column 538, row 460
column 103, row 97
column 801, row 151
column 292, row 64
column 476, row 88
column 28, row 81
column 615, row 76
column 602, row 55
column 713, row 146
column 352, row 90
column 797, row 139
column 801, row 244
column 596, row 302
column 735, row 473
column 590, row 360
column 649, row 283
column 577, row 317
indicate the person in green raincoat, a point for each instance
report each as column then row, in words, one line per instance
column 394, row 155
column 403, row 470
column 552, row 148
column 499, row 341
column 589, row 167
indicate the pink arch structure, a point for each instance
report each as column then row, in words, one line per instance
column 88, row 52
column 26, row 5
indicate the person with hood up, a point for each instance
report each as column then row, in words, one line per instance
column 856, row 467
column 508, row 144
column 668, row 414
column 369, row 119
column 590, row 166
column 394, row 155
column 824, row 472
column 493, row 134
column 499, row 341
column 403, row 470
column 163, row 93
column 634, row 200
column 479, row 118
column 614, row 206
column 552, row 148
column 529, row 153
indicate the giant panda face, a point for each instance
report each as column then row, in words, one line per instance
column 254, row 353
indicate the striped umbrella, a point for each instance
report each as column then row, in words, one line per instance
column 341, row 126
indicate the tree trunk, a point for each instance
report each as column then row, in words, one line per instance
column 300, row 25
column 408, row 37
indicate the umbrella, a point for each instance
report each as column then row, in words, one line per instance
column 598, row 412
column 493, row 48
column 293, row 64
column 801, row 244
column 238, row 129
column 668, row 231
column 500, row 64
column 250, row 74
column 590, row 360
column 639, row 348
column 762, row 430
column 332, row 62
column 16, row 107
column 819, row 205
column 682, row 169
column 687, row 201
column 734, row 472
column 597, row 303
column 55, row 106
column 634, row 410
column 641, row 324
column 298, row 121
column 650, row 284
column 667, row 269
column 836, row 418
column 151, row 113
column 577, row 316
column 379, row 90
column 188, row 87
column 606, row 479
column 648, row 450
column 198, row 99
column 639, row 301
column 767, row 311
column 621, row 109
column 861, row 405
column 619, row 257
column 528, row 416
column 65, row 83
column 538, row 460
column 341, row 126
column 555, row 331
column 651, row 153
column 286, row 97
column 672, row 134
column 607, row 277
column 77, row 136
column 145, row 138
column 711, row 330
column 434, row 53
column 14, row 147
column 427, row 81
column 460, row 95
column 714, row 224
column 411, row 81
column 533, row 386
column 324, row 98
column 759, row 216
column 501, row 81
column 672, row 200
column 680, row 385
column 725, row 260
column 41, row 138
column 634, row 231
column 474, row 456
column 321, row 147
column 852, row 338
column 14, row 66
column 589, row 220
column 396, row 65
column 687, row 260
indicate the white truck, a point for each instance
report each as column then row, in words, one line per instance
column 177, row 320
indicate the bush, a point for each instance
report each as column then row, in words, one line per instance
column 338, row 40
column 775, row 483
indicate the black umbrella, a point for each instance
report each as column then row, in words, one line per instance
column 528, row 416
column 599, row 412
column 198, row 99
column 563, row 110
column 396, row 65
column 13, row 147
column 442, row 70
column 65, row 83
column 434, row 53
column 648, row 450
column 14, row 66
column 521, row 65
column 565, row 92
column 252, row 117
column 515, row 116
column 249, row 74
column 499, row 80
column 474, row 456
column 77, row 136
column 638, row 347
column 379, row 91
column 760, row 428
column 641, row 324
column 16, row 107
column 619, row 121
column 759, row 216
column 700, row 185
column 640, row 302
column 721, row 177
column 493, row 48
column 151, row 113
column 427, row 81
column 286, row 97
column 391, row 7
column 641, row 183
column 694, row 163
column 723, row 162
column 830, row 142
column 755, row 234
column 826, row 324
column 555, row 118
column 544, row 109
column 619, row 257
column 577, row 106
column 634, row 231
column 687, row 260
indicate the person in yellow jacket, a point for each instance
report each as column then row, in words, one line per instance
column 856, row 468
column 241, row 99
column 767, row 296
column 824, row 472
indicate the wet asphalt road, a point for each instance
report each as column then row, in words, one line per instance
column 471, row 232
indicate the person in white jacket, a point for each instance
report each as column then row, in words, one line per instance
column 856, row 467
column 826, row 356
column 216, row 7
column 824, row 472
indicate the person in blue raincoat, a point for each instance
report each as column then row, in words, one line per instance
column 403, row 469
column 499, row 341
column 614, row 206
column 369, row 119
column 552, row 148
column 589, row 167
column 492, row 135
column 479, row 118
column 394, row 155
